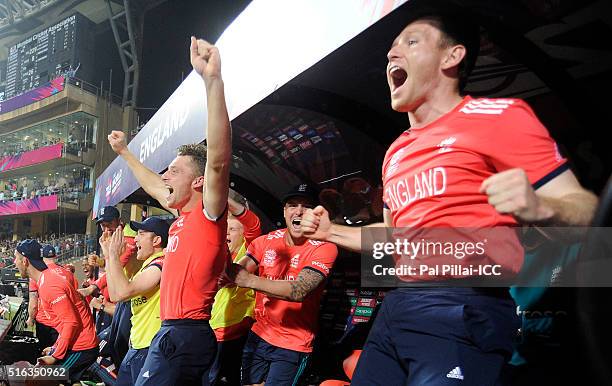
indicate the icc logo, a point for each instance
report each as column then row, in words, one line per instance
column 269, row 257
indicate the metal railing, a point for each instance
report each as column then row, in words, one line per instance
column 97, row 91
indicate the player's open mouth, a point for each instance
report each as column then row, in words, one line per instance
column 296, row 223
column 170, row 191
column 398, row 76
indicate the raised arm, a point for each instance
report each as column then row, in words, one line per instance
column 316, row 225
column 248, row 219
column 206, row 62
column 150, row 181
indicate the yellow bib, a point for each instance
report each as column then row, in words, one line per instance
column 145, row 312
column 232, row 304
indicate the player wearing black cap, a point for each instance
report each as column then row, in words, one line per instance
column 288, row 272
column 142, row 290
column 76, row 347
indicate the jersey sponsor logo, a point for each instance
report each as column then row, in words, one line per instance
column 445, row 145
column 173, row 243
column 295, row 261
column 58, row 299
column 269, row 257
column 139, row 301
column 318, row 264
column 289, row 277
column 487, row 106
column 428, row 183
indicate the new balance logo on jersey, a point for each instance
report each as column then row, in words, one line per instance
column 445, row 144
column 455, row 373
column 146, row 374
column 394, row 162
column 487, row 106
column 276, row 234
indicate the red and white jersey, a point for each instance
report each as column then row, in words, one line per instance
column 42, row 316
column 65, row 305
column 285, row 324
column 432, row 174
column 195, row 257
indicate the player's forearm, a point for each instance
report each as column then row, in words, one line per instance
column 345, row 237
column 109, row 308
column 118, row 284
column 575, row 209
column 87, row 291
column 64, row 341
column 251, row 224
column 32, row 309
column 70, row 328
column 150, row 181
column 218, row 136
column 351, row 238
column 281, row 289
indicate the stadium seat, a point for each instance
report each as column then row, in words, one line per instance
column 348, row 365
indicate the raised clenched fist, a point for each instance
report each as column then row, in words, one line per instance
column 117, row 141
column 205, row 59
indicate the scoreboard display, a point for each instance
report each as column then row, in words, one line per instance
column 54, row 51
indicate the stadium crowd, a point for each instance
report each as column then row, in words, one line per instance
column 28, row 188
column 14, row 149
column 208, row 300
column 72, row 245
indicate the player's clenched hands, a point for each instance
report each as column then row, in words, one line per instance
column 205, row 59
column 104, row 241
column 239, row 275
column 511, row 192
column 46, row 360
column 116, row 244
column 117, row 141
column 315, row 224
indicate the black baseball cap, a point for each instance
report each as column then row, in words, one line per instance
column 48, row 251
column 32, row 250
column 107, row 214
column 307, row 191
column 153, row 224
